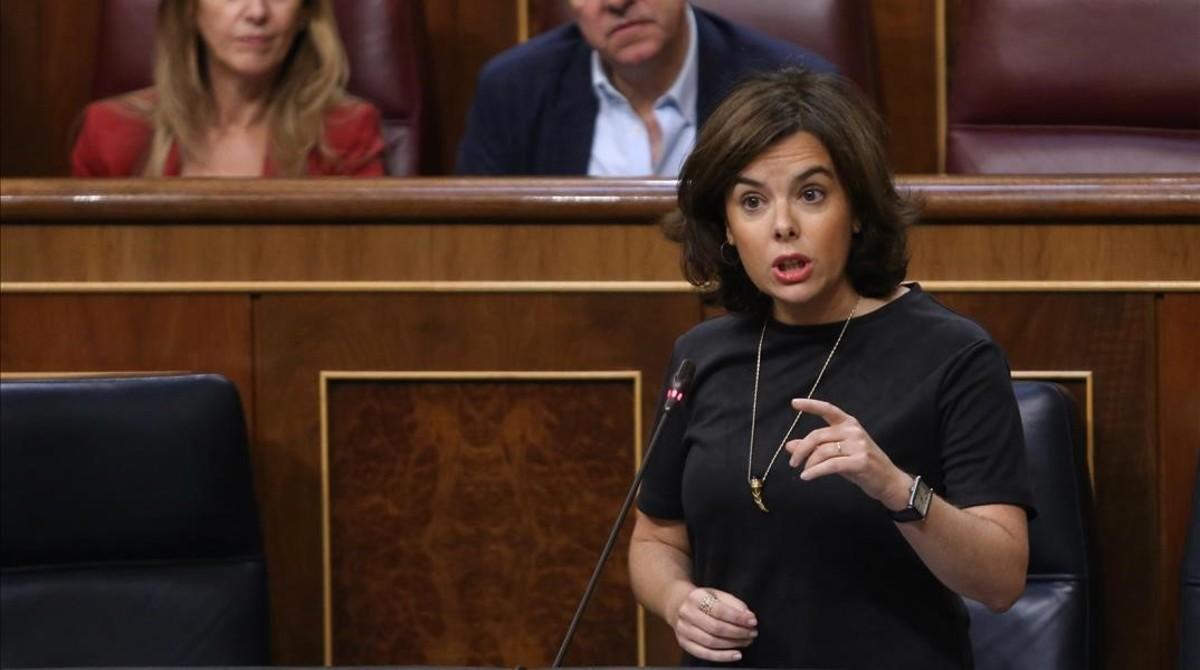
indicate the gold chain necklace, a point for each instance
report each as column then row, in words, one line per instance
column 756, row 483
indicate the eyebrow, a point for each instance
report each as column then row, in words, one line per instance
column 810, row 172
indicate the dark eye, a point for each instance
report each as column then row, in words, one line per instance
column 751, row 202
column 812, row 194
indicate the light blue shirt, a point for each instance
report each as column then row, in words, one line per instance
column 620, row 142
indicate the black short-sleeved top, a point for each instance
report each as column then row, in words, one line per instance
column 831, row 579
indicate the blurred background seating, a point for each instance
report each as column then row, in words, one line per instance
column 1189, row 606
column 1108, row 86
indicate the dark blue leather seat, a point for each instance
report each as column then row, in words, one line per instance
column 1055, row 623
column 129, row 528
column 1189, row 603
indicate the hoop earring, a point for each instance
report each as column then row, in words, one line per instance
column 725, row 258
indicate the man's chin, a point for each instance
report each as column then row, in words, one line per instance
column 634, row 55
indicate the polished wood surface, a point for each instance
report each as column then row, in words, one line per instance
column 465, row 516
column 578, row 252
column 124, row 333
column 1001, row 229
column 945, row 199
column 115, row 333
column 1178, row 426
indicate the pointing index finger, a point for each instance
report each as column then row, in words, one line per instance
column 828, row 411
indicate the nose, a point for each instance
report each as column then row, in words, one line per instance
column 257, row 10
column 618, row 6
column 784, row 226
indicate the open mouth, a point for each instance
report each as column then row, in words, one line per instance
column 791, row 269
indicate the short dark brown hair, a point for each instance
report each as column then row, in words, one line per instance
column 759, row 112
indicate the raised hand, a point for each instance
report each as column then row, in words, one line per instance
column 845, row 448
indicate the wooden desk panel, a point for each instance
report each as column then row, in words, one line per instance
column 356, row 252
column 302, row 335
column 72, row 333
column 985, row 229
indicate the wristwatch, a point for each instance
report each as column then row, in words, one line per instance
column 919, row 497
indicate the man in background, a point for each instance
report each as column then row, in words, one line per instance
column 619, row 92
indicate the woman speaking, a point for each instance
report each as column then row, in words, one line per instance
column 850, row 460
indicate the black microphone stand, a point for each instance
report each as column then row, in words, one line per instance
column 679, row 384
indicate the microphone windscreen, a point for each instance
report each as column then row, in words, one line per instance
column 683, row 376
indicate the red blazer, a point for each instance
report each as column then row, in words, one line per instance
column 116, row 136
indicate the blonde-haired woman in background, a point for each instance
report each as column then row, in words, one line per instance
column 241, row 88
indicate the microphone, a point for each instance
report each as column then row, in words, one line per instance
column 679, row 387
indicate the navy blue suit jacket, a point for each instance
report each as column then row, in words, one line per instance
column 535, row 109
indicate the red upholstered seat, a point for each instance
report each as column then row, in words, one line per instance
column 384, row 40
column 838, row 30
column 1106, row 86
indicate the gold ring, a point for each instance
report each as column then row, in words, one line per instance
column 839, row 447
column 707, row 602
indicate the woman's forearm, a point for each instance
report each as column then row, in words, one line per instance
column 660, row 574
column 979, row 552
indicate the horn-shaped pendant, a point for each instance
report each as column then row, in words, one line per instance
column 756, row 490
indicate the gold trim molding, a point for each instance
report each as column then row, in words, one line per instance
column 967, row 286
column 87, row 374
column 325, row 377
column 522, row 21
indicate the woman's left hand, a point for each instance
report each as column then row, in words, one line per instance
column 845, row 448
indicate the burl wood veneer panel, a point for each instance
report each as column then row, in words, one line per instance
column 1111, row 335
column 297, row 336
column 465, row 516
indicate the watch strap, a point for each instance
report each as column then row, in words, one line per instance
column 919, row 497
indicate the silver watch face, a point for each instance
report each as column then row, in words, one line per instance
column 921, row 497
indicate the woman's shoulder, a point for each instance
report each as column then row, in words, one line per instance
column 920, row 323
column 114, row 135
column 718, row 330
column 355, row 137
column 134, row 109
column 351, row 112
